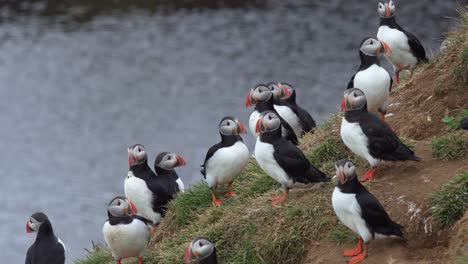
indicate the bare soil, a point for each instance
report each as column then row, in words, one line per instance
column 403, row 189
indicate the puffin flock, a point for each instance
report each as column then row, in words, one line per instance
column 277, row 122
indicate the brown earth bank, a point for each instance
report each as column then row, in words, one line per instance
column 403, row 189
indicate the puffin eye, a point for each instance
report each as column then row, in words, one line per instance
column 349, row 165
column 228, row 123
column 200, row 244
column 169, row 158
column 372, row 42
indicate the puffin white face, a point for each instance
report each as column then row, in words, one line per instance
column 372, row 47
column 279, row 90
column 136, row 155
column 354, row 99
column 35, row 222
column 199, row 249
column 231, row 126
column 386, row 9
column 260, row 93
column 268, row 121
column 345, row 171
column 169, row 161
column 120, row 207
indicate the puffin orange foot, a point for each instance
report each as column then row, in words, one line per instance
column 354, row 251
column 229, row 193
column 369, row 175
column 140, row 260
column 360, row 257
column 217, row 202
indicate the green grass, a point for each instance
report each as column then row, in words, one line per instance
column 450, row 147
column 341, row 234
column 455, row 117
column 450, row 201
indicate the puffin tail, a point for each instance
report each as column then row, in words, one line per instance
column 315, row 175
column 403, row 153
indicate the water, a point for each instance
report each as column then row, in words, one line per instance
column 74, row 96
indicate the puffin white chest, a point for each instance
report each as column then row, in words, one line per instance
column 141, row 196
column 355, row 139
column 253, row 122
column 181, row 185
column 127, row 240
column 291, row 118
column 266, row 160
column 347, row 209
column 226, row 163
column 401, row 56
column 375, row 83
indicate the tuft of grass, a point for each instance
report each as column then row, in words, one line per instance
column 449, row 202
column 341, row 235
column 450, row 147
column 461, row 69
column 463, row 258
column 453, row 120
column 96, row 256
column 410, row 143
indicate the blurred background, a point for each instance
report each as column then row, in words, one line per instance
column 80, row 80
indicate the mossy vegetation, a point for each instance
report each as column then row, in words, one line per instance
column 455, row 117
column 450, row 147
column 449, row 202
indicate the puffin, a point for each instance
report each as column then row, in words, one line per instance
column 281, row 159
column 47, row 249
column 360, row 211
column 262, row 98
column 406, row 50
column 225, row 161
column 463, row 124
column 201, row 251
column 149, row 192
column 126, row 234
column 285, row 104
column 374, row 80
column 368, row 136
column 164, row 167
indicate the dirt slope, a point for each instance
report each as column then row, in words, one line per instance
column 403, row 188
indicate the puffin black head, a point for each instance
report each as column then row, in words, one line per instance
column 345, row 171
column 372, row 47
column 268, row 121
column 120, row 206
column 168, row 161
column 280, row 90
column 354, row 99
column 35, row 222
column 199, row 249
column 136, row 155
column 261, row 93
column 231, row 126
column 386, row 8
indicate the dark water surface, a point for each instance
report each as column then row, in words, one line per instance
column 74, row 96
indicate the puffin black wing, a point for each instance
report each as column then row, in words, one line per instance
column 290, row 135
column 351, row 82
column 383, row 143
column 295, row 164
column 164, row 190
column 209, row 154
column 416, row 47
column 463, row 124
column 307, row 122
column 375, row 215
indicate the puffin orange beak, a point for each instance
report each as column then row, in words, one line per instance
column 130, row 157
column 134, row 209
column 387, row 48
column 28, row 228
column 257, row 126
column 180, row 160
column 343, row 104
column 248, row 99
column 241, row 127
column 286, row 92
column 187, row 254
column 341, row 176
column 387, row 11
